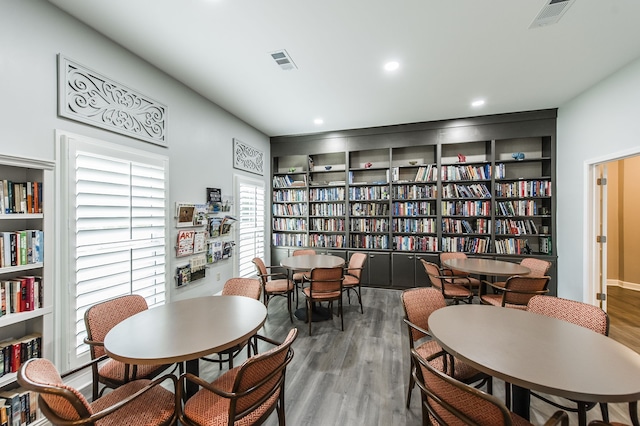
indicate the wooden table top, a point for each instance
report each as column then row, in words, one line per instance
column 475, row 265
column 185, row 330
column 539, row 353
column 310, row 261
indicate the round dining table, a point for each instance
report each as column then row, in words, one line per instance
column 488, row 267
column 307, row 262
column 184, row 331
column 539, row 353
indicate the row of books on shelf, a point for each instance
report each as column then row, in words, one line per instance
column 516, row 227
column 19, row 407
column 289, row 240
column 380, row 242
column 21, row 294
column 287, row 180
column 327, row 225
column 423, row 225
column 465, row 172
column 459, row 226
column 290, row 195
column 14, row 352
column 322, row 240
column 426, row 173
column 363, row 193
column 467, row 244
column 369, row 225
column 475, row 190
column 326, row 194
column 413, row 192
column 413, row 208
column 289, row 209
column 524, row 188
column 20, row 197
column 369, row 209
column 327, row 209
column 21, row 247
column 415, row 243
column 466, row 208
column 293, row 224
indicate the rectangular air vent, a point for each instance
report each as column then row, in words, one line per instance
column 551, row 13
column 283, row 60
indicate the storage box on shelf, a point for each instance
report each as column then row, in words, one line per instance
column 26, row 314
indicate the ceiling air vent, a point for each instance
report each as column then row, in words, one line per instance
column 283, row 60
column 551, row 13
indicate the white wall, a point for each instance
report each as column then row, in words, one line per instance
column 199, row 133
column 601, row 121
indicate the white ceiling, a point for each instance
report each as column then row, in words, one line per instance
column 450, row 52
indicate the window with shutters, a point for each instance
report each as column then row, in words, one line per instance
column 250, row 212
column 117, row 225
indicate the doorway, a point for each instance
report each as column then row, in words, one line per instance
column 616, row 185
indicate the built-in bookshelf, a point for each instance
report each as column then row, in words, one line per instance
column 424, row 188
column 26, row 313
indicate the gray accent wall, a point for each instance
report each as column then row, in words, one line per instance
column 603, row 121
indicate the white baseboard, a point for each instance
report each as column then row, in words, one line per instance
column 624, row 284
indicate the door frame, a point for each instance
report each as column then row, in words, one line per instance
column 590, row 254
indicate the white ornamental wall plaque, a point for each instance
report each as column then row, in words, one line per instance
column 89, row 97
column 248, row 158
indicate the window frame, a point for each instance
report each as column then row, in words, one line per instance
column 238, row 180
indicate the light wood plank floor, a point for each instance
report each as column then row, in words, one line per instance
column 359, row 376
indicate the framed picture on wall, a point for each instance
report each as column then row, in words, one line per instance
column 184, row 215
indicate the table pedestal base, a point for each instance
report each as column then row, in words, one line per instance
column 318, row 313
column 521, row 400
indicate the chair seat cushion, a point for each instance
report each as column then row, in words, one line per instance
column 350, row 280
column 114, row 370
column 208, row 409
column 330, row 295
column 496, row 300
column 299, row 277
column 456, row 290
column 463, row 371
column 278, row 286
column 154, row 407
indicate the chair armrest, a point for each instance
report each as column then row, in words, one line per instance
column 83, row 366
column 92, row 342
column 558, row 418
column 414, row 326
column 276, row 274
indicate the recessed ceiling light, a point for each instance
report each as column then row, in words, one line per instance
column 391, row 66
column 477, row 103
column 318, row 121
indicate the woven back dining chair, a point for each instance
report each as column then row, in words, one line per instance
column 299, row 276
column 447, row 401
column 246, row 287
column 138, row 402
column 474, row 283
column 516, row 291
column 584, row 315
column 325, row 285
column 452, row 288
column 418, row 304
column 275, row 282
column 245, row 395
column 99, row 319
column 353, row 277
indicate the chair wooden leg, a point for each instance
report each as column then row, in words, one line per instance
column 359, row 293
column 411, row 383
column 289, row 302
column 340, row 313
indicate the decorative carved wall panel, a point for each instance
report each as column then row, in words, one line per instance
column 89, row 97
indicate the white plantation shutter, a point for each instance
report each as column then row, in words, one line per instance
column 250, row 196
column 119, row 228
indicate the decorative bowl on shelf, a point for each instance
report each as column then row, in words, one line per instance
column 413, row 163
column 327, row 167
column 368, row 165
column 292, row 169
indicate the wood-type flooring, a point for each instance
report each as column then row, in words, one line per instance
column 359, row 376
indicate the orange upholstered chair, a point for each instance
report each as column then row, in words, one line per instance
column 419, row 304
column 516, row 291
column 474, row 283
column 352, row 277
column 453, row 288
column 275, row 282
column 584, row 315
column 447, row 401
column 99, row 319
column 247, row 287
column 245, row 395
column 298, row 276
column 325, row 285
column 138, row 402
